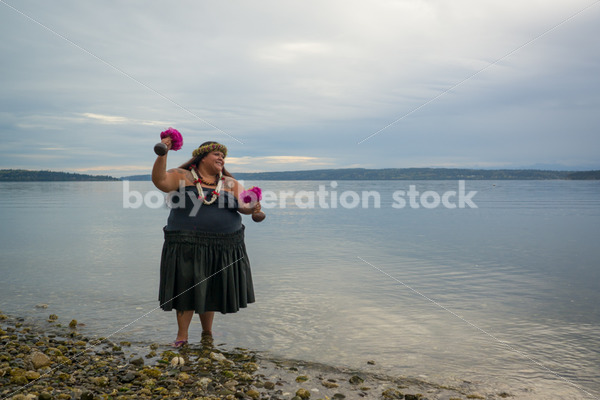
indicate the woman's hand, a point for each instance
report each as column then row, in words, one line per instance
column 257, row 214
column 168, row 142
column 249, row 208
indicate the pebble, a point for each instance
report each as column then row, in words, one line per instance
column 269, row 385
column 230, row 385
column 137, row 361
column 19, row 380
column 217, row 357
column 203, row 382
column 476, row 395
column 87, row 396
column 128, row 377
column 32, row 375
column 184, row 376
column 393, row 394
column 250, row 367
column 303, row 393
column 330, row 385
column 39, row 360
column 177, row 361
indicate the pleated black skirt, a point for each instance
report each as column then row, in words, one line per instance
column 204, row 271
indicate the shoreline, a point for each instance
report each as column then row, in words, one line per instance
column 61, row 363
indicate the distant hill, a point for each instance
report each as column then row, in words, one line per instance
column 22, row 175
column 584, row 175
column 147, row 177
column 407, row 174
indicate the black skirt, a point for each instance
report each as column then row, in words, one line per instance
column 203, row 271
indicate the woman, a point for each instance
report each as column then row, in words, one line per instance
column 204, row 265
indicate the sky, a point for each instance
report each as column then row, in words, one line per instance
column 87, row 87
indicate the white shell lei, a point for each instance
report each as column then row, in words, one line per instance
column 216, row 192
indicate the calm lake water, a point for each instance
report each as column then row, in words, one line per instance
column 505, row 295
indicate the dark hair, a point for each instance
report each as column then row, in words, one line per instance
column 196, row 160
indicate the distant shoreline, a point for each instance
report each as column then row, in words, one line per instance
column 21, row 175
column 407, row 174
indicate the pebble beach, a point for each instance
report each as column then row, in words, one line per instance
column 56, row 360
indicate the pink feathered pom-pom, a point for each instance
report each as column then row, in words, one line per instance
column 251, row 195
column 176, row 138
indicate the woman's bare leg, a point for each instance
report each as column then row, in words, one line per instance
column 206, row 319
column 184, row 318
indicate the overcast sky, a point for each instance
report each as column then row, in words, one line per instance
column 292, row 85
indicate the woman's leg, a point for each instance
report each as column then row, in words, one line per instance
column 206, row 319
column 184, row 318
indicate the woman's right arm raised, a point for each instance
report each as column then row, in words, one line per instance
column 164, row 180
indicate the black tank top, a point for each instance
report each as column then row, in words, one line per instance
column 188, row 213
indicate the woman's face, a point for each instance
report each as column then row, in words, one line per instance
column 214, row 160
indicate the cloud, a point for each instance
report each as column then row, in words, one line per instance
column 277, row 160
column 277, row 163
column 106, row 119
column 32, row 159
column 46, row 122
column 120, row 120
column 239, row 164
column 54, row 148
column 114, row 169
column 293, row 52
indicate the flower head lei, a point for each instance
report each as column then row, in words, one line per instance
column 198, row 183
column 208, row 148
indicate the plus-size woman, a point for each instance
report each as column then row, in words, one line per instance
column 204, row 265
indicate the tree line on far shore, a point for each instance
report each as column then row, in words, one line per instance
column 20, row 175
column 23, row 175
column 420, row 174
column 407, row 174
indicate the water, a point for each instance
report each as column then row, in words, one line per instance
column 505, row 296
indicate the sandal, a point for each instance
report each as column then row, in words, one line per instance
column 180, row 343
